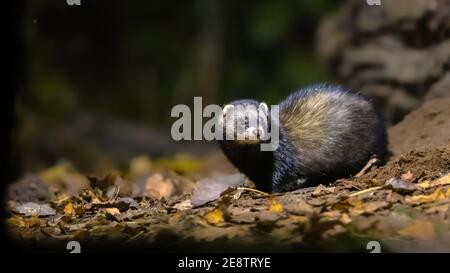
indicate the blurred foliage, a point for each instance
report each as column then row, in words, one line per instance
column 135, row 60
column 102, row 78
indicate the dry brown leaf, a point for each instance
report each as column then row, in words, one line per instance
column 158, row 187
column 299, row 206
column 406, row 176
column 345, row 219
column 359, row 207
column 184, row 205
column 421, row 229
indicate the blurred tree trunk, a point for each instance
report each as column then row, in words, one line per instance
column 397, row 53
column 210, row 49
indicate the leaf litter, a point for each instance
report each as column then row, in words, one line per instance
column 397, row 202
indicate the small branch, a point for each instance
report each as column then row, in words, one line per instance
column 365, row 191
column 250, row 189
column 367, row 167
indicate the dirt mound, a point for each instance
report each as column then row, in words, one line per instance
column 418, row 166
column 428, row 126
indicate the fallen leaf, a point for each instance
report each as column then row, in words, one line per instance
column 68, row 209
column 112, row 211
column 157, row 187
column 400, row 185
column 214, row 217
column 321, row 189
column 24, row 222
column 208, row 189
column 420, row 229
column 184, row 205
column 444, row 180
column 437, row 195
column 345, row 219
column 299, row 206
column 274, row 206
column 406, row 176
column 30, row 189
column 424, row 185
column 31, row 208
column 359, row 207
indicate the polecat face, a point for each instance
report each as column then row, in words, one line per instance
column 245, row 122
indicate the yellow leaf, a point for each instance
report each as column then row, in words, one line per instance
column 68, row 209
column 24, row 222
column 215, row 216
column 437, row 195
column 419, row 229
column 424, row 185
column 444, row 180
column 274, row 206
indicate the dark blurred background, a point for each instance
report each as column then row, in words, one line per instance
column 97, row 82
column 100, row 79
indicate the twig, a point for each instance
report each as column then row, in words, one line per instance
column 255, row 190
column 135, row 236
column 367, row 167
column 365, row 191
column 116, row 193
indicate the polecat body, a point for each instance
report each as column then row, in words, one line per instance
column 325, row 132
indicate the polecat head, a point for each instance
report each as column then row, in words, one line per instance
column 245, row 122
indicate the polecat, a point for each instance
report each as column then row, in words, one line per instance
column 326, row 132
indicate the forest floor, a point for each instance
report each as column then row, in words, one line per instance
column 199, row 203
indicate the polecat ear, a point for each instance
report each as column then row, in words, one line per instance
column 263, row 107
